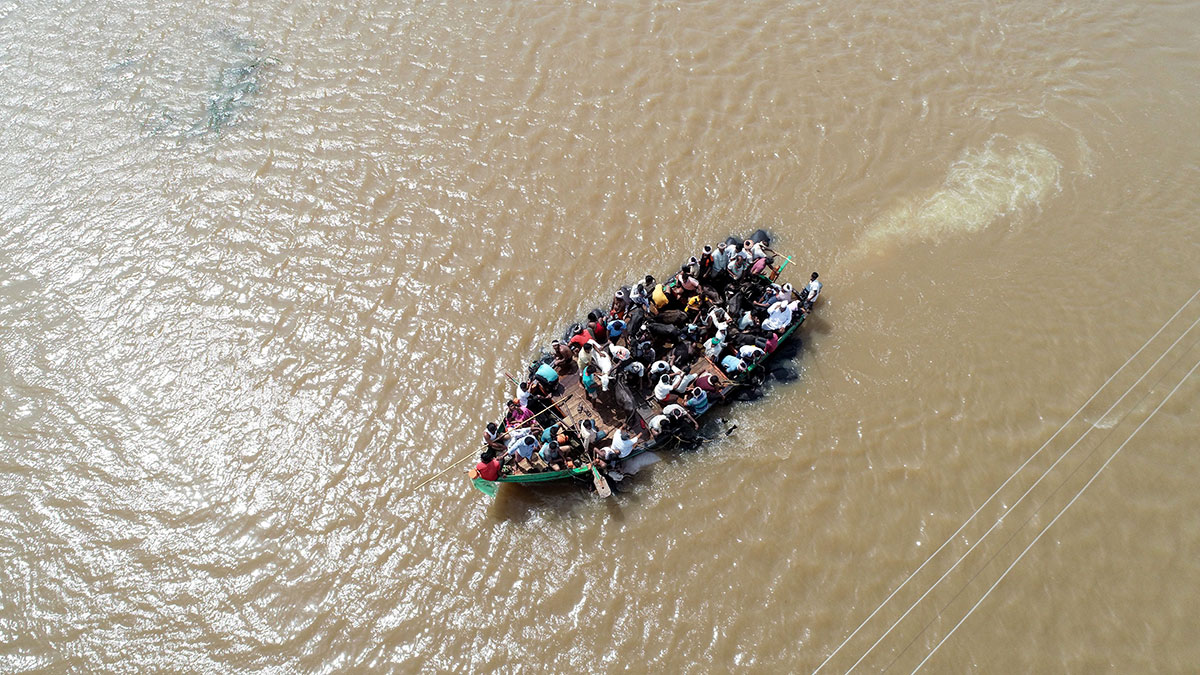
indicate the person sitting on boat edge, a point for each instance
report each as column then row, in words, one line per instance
column 563, row 356
column 494, row 438
column 620, row 448
column 488, row 467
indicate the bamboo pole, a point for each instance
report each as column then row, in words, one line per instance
column 472, row 454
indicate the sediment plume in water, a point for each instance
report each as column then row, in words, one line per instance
column 1005, row 178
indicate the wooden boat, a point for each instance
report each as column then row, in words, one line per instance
column 572, row 406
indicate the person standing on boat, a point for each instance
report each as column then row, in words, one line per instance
column 706, row 264
column 523, row 394
column 812, row 290
column 590, row 379
column 586, row 356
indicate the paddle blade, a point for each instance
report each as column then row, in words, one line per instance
column 602, row 488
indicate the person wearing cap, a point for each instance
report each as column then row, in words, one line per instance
column 779, row 315
column 720, row 257
column 620, row 304
column 714, row 345
column 658, row 368
column 579, row 337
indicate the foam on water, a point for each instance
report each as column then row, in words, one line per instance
column 1003, row 178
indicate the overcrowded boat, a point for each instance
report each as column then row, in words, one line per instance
column 642, row 374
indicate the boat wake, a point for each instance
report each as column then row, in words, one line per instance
column 1004, row 178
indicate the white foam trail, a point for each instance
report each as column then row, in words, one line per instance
column 1005, row 177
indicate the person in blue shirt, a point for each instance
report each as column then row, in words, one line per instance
column 591, row 381
column 615, row 328
column 697, row 401
column 732, row 365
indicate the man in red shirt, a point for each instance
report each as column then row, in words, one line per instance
column 488, row 466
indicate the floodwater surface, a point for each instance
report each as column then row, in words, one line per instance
column 263, row 267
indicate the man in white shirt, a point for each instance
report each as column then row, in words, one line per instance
column 813, row 289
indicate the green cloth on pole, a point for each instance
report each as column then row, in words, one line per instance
column 487, row 487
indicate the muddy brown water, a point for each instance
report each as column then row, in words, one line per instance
column 262, row 266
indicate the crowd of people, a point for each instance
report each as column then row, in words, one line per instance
column 722, row 305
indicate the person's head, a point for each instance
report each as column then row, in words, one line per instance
column 512, row 403
column 649, row 281
column 523, row 386
column 554, row 446
column 491, row 427
column 697, row 392
column 787, row 288
column 664, row 379
column 487, row 456
column 814, row 276
column 589, row 424
column 748, row 244
column 576, row 329
column 592, row 315
column 741, row 366
column 528, row 440
column 620, row 294
column 587, row 347
column 707, row 249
